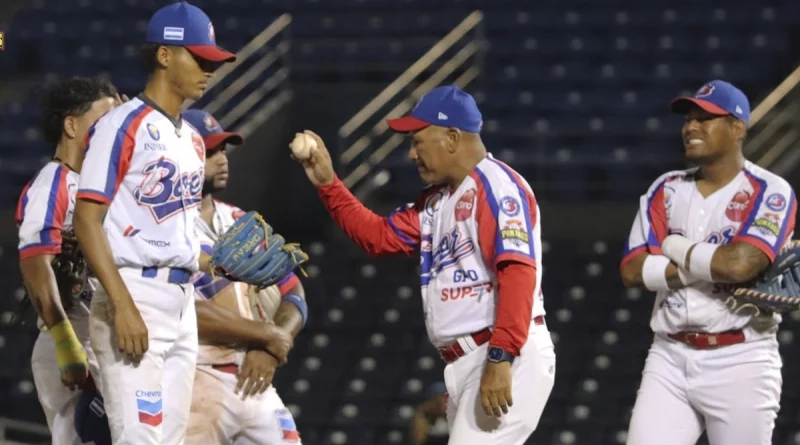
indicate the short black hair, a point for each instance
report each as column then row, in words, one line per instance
column 148, row 53
column 71, row 97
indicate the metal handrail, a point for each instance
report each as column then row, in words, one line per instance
column 769, row 102
column 470, row 22
column 258, row 42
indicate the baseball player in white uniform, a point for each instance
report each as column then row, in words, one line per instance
column 478, row 233
column 699, row 231
column 233, row 401
column 135, row 220
column 61, row 356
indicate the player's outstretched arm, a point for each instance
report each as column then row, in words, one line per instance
column 376, row 235
column 130, row 328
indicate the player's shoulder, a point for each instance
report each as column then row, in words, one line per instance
column 228, row 209
column 672, row 176
column 766, row 177
column 497, row 178
column 124, row 116
column 50, row 174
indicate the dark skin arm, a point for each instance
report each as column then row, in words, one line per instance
column 736, row 263
column 632, row 273
column 288, row 316
column 40, row 281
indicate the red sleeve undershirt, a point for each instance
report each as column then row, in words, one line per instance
column 373, row 233
column 516, row 284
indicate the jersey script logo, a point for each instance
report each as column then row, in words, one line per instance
column 165, row 192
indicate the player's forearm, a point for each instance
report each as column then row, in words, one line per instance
column 516, row 283
column 633, row 274
column 88, row 225
column 419, row 428
column 40, row 282
column 218, row 325
column 205, row 263
column 371, row 232
column 736, row 262
column 289, row 315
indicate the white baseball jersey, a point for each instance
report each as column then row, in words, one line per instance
column 463, row 235
column 210, row 288
column 44, row 209
column 756, row 207
column 150, row 173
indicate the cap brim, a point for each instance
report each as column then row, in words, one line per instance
column 407, row 124
column 682, row 105
column 217, row 139
column 211, row 53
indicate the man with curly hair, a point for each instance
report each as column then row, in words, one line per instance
column 44, row 211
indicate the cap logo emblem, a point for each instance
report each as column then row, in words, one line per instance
column 704, row 91
column 442, row 116
column 739, row 110
column 210, row 122
column 173, row 33
column 211, row 35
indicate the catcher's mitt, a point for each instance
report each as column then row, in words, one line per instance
column 250, row 252
column 72, row 273
column 778, row 290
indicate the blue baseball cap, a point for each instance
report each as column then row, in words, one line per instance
column 209, row 128
column 447, row 106
column 716, row 97
column 182, row 24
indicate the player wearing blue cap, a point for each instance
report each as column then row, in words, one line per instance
column 699, row 232
column 476, row 229
column 134, row 219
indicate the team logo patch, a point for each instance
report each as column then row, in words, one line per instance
column 199, row 146
column 515, row 232
column 150, row 407
column 509, row 206
column 464, row 205
column 165, row 191
column 173, row 33
column 210, row 123
column 705, row 90
column 776, row 202
column 736, row 209
column 287, row 425
column 433, row 202
column 769, row 224
column 153, row 132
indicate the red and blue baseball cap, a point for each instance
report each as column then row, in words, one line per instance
column 182, row 24
column 446, row 106
column 716, row 97
column 210, row 130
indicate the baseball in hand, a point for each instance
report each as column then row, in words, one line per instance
column 302, row 145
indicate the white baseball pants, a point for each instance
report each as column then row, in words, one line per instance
column 533, row 375
column 732, row 392
column 147, row 403
column 220, row 416
column 58, row 402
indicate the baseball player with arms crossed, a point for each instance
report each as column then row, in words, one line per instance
column 61, row 355
column 477, row 230
column 698, row 234
column 233, row 401
column 135, row 221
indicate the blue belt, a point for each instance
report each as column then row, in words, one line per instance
column 176, row 275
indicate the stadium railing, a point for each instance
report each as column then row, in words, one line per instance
column 364, row 140
column 246, row 93
column 773, row 128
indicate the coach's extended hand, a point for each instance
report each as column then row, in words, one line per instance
column 496, row 388
column 318, row 167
